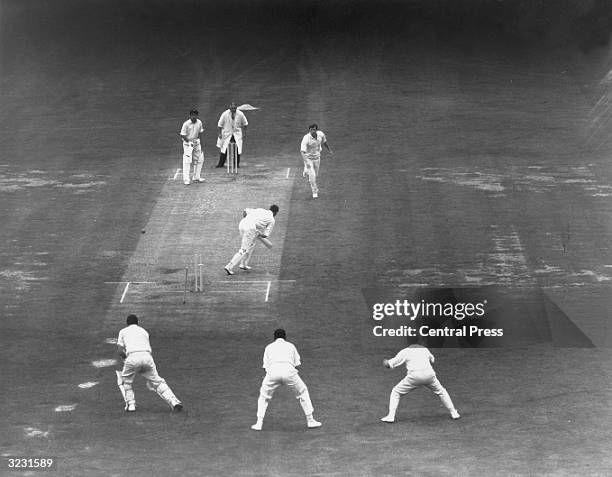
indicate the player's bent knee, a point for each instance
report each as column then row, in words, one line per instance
column 157, row 386
column 265, row 396
column 399, row 391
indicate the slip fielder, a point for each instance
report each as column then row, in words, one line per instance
column 280, row 361
column 419, row 372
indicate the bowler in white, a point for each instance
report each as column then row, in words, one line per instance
column 418, row 360
column 255, row 223
column 280, row 361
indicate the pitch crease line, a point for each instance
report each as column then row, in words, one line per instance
column 251, row 281
column 124, row 281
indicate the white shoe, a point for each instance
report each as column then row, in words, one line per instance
column 257, row 426
column 388, row 418
column 200, row 179
column 315, row 195
column 455, row 415
column 186, row 183
column 313, row 424
column 245, row 267
column 130, row 407
column 229, row 271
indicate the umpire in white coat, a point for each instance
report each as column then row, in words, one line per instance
column 232, row 127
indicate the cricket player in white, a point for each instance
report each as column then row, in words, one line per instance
column 133, row 345
column 310, row 148
column 419, row 372
column 255, row 224
column 280, row 360
column 191, row 131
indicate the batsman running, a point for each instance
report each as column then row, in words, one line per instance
column 256, row 224
column 419, row 372
column 134, row 347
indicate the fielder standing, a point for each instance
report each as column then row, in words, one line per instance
column 191, row 133
column 310, row 148
column 419, row 372
column 255, row 224
column 280, row 361
column 133, row 345
column 232, row 127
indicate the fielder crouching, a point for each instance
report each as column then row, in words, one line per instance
column 280, row 361
column 133, row 345
column 417, row 360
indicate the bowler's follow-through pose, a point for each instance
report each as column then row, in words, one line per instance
column 255, row 224
column 133, row 345
column 419, row 372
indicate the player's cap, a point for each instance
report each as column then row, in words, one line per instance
column 193, row 111
column 132, row 320
column 279, row 333
column 274, row 208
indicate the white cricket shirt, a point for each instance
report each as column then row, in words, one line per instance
column 416, row 360
column 312, row 146
column 192, row 130
column 261, row 219
column 133, row 338
column 280, row 352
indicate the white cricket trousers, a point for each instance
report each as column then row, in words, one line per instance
column 141, row 362
column 248, row 234
column 414, row 380
column 282, row 374
column 192, row 150
column 312, row 169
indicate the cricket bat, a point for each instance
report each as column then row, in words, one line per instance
column 120, row 384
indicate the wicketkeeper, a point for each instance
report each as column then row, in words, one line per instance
column 133, row 346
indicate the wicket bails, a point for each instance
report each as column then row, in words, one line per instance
column 232, row 158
